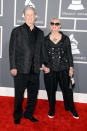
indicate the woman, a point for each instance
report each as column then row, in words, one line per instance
column 58, row 67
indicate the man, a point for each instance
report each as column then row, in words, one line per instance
column 24, row 55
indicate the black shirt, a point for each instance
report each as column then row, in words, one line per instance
column 57, row 56
column 32, row 40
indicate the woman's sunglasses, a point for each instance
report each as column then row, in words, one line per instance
column 56, row 24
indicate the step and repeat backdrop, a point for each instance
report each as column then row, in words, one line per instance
column 73, row 17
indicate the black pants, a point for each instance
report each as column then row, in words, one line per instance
column 21, row 82
column 52, row 80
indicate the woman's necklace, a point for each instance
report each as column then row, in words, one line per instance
column 54, row 39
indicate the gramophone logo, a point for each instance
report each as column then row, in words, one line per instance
column 74, row 45
column 30, row 3
column 78, row 56
column 76, row 5
column 73, row 9
column 40, row 7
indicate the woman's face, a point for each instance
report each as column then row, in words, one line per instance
column 55, row 25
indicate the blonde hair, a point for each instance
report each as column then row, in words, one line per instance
column 55, row 19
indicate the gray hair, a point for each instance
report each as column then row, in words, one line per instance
column 30, row 8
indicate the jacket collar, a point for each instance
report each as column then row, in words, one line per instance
column 63, row 36
column 28, row 28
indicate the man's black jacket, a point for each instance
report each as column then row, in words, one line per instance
column 20, row 50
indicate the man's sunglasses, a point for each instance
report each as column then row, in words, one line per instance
column 52, row 23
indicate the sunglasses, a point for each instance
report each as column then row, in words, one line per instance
column 56, row 24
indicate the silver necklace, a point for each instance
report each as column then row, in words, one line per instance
column 54, row 39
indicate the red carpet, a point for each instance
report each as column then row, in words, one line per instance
column 63, row 121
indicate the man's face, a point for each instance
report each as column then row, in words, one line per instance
column 29, row 17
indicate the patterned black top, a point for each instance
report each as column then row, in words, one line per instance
column 57, row 56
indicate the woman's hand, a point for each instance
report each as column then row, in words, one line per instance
column 13, row 72
column 46, row 70
column 71, row 72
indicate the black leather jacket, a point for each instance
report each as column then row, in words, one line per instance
column 20, row 51
column 57, row 56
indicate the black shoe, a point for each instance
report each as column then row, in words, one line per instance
column 17, row 121
column 51, row 115
column 66, row 109
column 31, row 118
column 75, row 114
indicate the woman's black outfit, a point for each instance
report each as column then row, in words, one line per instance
column 58, row 58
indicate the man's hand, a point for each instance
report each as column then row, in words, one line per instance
column 13, row 72
column 46, row 70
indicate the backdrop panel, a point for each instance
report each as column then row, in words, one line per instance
column 73, row 17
